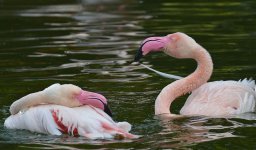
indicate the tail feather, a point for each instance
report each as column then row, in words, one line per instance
column 247, row 104
column 249, row 82
column 125, row 126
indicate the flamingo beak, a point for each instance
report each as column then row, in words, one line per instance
column 149, row 45
column 95, row 100
column 139, row 54
column 107, row 110
column 100, row 98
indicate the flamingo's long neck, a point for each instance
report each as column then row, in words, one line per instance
column 27, row 101
column 180, row 87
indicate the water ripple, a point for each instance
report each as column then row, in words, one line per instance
column 92, row 45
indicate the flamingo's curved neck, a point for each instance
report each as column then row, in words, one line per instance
column 27, row 101
column 180, row 87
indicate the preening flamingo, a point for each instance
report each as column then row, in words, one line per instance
column 218, row 98
column 66, row 109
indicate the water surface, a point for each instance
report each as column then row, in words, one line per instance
column 92, row 44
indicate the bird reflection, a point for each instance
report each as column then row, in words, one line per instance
column 181, row 131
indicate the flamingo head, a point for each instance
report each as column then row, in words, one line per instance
column 178, row 45
column 73, row 96
column 94, row 99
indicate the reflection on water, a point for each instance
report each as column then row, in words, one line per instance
column 171, row 133
column 92, row 44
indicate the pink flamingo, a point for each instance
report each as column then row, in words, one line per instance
column 68, row 109
column 219, row 98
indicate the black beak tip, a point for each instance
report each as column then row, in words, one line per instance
column 107, row 110
column 138, row 56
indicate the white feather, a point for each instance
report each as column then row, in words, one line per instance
column 90, row 122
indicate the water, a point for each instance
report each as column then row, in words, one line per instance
column 91, row 45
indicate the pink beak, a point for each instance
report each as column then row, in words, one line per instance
column 151, row 44
column 95, row 100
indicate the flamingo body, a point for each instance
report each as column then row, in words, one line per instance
column 221, row 98
column 66, row 108
column 86, row 121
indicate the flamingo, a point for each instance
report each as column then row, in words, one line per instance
column 218, row 98
column 66, row 108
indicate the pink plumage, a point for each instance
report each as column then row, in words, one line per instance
column 219, row 98
column 86, row 121
column 87, row 117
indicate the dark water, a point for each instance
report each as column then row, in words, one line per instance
column 91, row 44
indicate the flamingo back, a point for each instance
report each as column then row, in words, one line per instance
column 221, row 98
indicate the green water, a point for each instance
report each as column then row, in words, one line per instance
column 92, row 46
